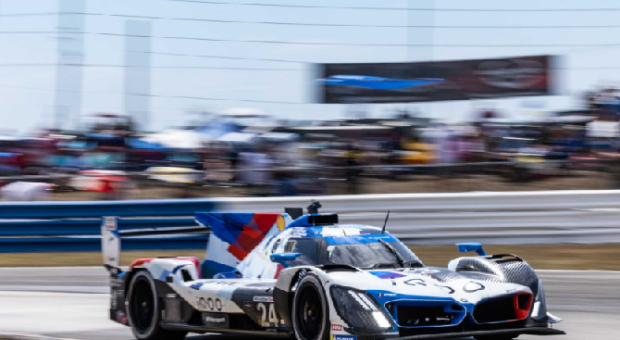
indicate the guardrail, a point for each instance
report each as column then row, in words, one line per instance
column 489, row 217
column 156, row 208
column 76, row 226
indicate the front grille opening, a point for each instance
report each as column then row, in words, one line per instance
column 416, row 316
column 496, row 310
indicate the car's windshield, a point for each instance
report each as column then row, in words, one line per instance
column 361, row 255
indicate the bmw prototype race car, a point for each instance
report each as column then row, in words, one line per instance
column 315, row 279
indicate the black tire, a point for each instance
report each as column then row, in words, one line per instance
column 310, row 310
column 144, row 312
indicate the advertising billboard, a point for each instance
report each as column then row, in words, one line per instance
column 434, row 81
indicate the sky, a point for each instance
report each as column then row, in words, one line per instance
column 27, row 91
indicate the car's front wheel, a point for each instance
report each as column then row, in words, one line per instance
column 143, row 310
column 310, row 310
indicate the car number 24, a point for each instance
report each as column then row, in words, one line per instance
column 269, row 318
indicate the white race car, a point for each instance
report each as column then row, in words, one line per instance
column 312, row 278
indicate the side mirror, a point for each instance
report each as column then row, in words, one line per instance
column 283, row 257
column 467, row 247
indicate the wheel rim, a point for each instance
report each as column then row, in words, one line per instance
column 142, row 303
column 309, row 313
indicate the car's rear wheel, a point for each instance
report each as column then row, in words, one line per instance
column 143, row 311
column 310, row 310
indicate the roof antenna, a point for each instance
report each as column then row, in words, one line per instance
column 314, row 207
column 385, row 223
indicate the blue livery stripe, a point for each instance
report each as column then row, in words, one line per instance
column 359, row 239
column 387, row 275
column 196, row 285
column 163, row 275
column 176, row 269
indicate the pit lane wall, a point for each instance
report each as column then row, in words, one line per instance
column 430, row 219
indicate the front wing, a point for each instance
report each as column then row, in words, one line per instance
column 508, row 332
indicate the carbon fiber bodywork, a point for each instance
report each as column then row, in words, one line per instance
column 499, row 268
column 495, row 268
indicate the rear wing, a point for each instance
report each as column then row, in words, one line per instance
column 234, row 237
column 111, row 237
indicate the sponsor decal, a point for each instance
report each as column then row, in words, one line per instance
column 299, row 232
column 386, row 295
column 248, row 306
column 425, row 271
column 202, row 304
column 352, row 231
column 281, row 223
column 224, row 283
column 212, row 319
column 511, row 73
column 121, row 317
column 118, row 283
column 110, row 223
column 215, row 320
column 113, row 300
column 326, row 232
column 210, row 304
column 416, row 282
column 448, row 289
column 263, row 299
column 336, row 328
column 343, row 337
column 473, row 287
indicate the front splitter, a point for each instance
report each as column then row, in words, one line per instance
column 515, row 332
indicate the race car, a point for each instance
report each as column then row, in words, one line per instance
column 313, row 278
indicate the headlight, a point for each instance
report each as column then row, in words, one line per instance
column 360, row 311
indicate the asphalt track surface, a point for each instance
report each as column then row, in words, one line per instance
column 71, row 303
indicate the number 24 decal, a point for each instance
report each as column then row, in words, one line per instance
column 268, row 313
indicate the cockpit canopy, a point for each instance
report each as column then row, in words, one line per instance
column 357, row 246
